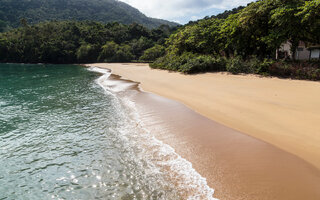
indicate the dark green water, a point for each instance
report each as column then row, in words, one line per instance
column 62, row 136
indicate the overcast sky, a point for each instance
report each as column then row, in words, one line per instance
column 182, row 11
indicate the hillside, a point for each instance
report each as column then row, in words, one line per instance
column 223, row 15
column 245, row 40
column 35, row 11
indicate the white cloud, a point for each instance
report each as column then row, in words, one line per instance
column 175, row 9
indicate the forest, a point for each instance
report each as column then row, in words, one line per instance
column 243, row 40
column 81, row 42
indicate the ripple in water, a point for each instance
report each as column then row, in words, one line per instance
column 63, row 137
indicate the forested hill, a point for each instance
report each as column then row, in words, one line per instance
column 245, row 40
column 35, row 11
column 223, row 15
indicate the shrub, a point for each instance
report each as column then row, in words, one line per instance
column 257, row 66
column 189, row 63
column 194, row 63
column 296, row 70
column 236, row 65
column 253, row 65
column 203, row 63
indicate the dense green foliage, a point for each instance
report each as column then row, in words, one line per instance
column 153, row 53
column 223, row 15
column 226, row 13
column 247, row 39
column 190, row 63
column 35, row 11
column 79, row 42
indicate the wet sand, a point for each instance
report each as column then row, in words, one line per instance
column 236, row 165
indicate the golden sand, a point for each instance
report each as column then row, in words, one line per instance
column 285, row 113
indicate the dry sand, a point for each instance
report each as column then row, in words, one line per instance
column 284, row 113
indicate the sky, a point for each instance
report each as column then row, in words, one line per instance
column 183, row 11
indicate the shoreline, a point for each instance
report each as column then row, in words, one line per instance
column 236, row 165
column 281, row 112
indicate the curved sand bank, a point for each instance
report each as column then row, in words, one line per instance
column 285, row 113
column 237, row 166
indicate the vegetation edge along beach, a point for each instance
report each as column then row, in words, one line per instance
column 248, row 40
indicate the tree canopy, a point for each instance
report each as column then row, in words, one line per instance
column 251, row 33
column 79, row 42
column 258, row 29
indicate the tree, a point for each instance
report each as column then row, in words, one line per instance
column 229, row 36
column 108, row 51
column 153, row 53
column 87, row 53
column 136, row 31
column 3, row 26
column 123, row 54
column 286, row 25
column 3, row 49
column 24, row 22
column 309, row 14
column 253, row 28
column 138, row 46
column 112, row 52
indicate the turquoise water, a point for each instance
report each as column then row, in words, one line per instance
column 63, row 136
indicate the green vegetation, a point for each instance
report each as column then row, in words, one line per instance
column 35, row 11
column 223, row 15
column 190, row 63
column 3, row 26
column 79, row 42
column 153, row 53
column 245, row 40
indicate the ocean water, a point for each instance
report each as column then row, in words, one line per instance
column 66, row 134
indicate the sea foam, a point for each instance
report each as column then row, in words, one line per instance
column 153, row 152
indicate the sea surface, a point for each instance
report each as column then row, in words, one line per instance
column 66, row 134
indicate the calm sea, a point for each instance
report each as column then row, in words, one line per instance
column 65, row 135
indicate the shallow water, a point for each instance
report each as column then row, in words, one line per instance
column 65, row 134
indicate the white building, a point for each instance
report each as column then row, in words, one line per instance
column 303, row 51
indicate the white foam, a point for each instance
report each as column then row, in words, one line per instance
column 3, row 103
column 111, row 85
column 100, row 70
column 161, row 155
column 164, row 156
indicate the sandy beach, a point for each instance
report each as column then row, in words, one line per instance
column 251, row 137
